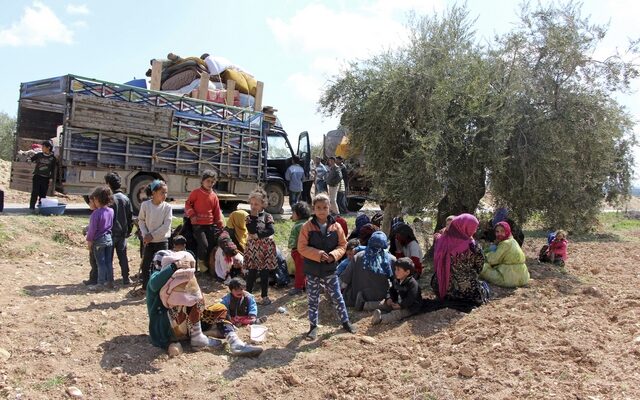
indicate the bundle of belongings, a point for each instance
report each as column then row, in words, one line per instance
column 182, row 76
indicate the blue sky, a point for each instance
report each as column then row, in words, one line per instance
column 292, row 46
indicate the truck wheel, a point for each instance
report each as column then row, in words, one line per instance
column 137, row 194
column 275, row 197
column 354, row 204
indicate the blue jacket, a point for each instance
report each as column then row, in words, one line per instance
column 243, row 307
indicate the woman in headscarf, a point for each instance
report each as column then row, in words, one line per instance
column 457, row 262
column 176, row 308
column 506, row 265
column 361, row 220
column 367, row 276
column 237, row 228
column 406, row 245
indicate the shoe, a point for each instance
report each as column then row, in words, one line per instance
column 348, row 327
column 376, row 318
column 265, row 301
column 261, row 320
column 359, row 302
column 126, row 281
column 108, row 285
column 96, row 288
column 89, row 282
column 295, row 292
column 313, row 333
column 239, row 348
column 208, row 345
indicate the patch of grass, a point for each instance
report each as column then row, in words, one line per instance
column 62, row 237
column 219, row 380
column 31, row 248
column 52, row 383
column 25, row 292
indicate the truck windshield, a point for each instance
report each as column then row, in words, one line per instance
column 278, row 148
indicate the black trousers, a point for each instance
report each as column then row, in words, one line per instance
column 207, row 238
column 264, row 281
column 38, row 190
column 150, row 251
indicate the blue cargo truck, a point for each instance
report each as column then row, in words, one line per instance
column 99, row 126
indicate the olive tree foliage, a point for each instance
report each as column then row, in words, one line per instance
column 7, row 136
column 570, row 145
column 426, row 116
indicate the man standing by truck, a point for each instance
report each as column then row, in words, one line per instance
column 45, row 165
column 295, row 176
column 333, row 179
column 343, row 187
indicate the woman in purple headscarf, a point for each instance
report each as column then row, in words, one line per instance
column 457, row 262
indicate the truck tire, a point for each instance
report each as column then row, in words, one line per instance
column 355, row 203
column 275, row 198
column 137, row 194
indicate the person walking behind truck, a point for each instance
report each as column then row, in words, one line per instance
column 343, row 187
column 333, row 179
column 45, row 165
column 122, row 223
column 295, row 176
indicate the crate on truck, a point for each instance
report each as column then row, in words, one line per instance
column 101, row 126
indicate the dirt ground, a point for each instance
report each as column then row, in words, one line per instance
column 574, row 333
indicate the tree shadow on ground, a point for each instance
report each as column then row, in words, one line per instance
column 71, row 289
column 133, row 353
column 600, row 237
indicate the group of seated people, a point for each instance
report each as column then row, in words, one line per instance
column 373, row 276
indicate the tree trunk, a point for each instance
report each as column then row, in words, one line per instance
column 465, row 200
column 391, row 210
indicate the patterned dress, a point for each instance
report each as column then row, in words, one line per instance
column 261, row 252
column 464, row 283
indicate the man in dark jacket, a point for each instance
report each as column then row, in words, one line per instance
column 122, row 223
column 404, row 298
column 333, row 180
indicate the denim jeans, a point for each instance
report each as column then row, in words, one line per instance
column 120, row 247
column 293, row 198
column 103, row 253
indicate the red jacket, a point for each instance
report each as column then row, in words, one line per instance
column 203, row 208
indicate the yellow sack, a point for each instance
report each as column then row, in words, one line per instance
column 245, row 83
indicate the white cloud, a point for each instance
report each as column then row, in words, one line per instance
column 386, row 7
column 37, row 27
column 80, row 24
column 307, row 87
column 80, row 9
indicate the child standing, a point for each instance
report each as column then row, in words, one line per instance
column 322, row 243
column 122, row 223
column 99, row 237
column 300, row 214
column 404, row 298
column 154, row 222
column 260, row 254
column 241, row 305
column 43, row 171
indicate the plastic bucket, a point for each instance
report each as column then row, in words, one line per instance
column 46, row 202
column 258, row 333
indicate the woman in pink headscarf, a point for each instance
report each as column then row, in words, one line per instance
column 457, row 262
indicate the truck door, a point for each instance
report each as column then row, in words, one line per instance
column 304, row 151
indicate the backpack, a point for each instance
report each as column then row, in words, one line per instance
column 282, row 278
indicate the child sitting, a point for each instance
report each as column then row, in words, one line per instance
column 228, row 261
column 403, row 299
column 353, row 247
column 556, row 251
column 241, row 305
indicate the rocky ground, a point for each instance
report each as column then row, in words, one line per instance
column 573, row 333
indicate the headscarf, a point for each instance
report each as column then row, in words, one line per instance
column 361, row 220
column 453, row 241
column 365, row 233
column 507, row 231
column 184, row 258
column 404, row 234
column 377, row 219
column 500, row 215
column 157, row 258
column 237, row 222
column 375, row 258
